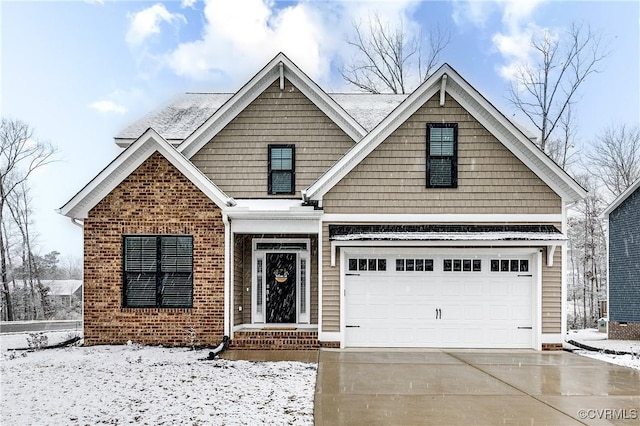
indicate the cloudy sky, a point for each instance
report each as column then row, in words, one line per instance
column 79, row 71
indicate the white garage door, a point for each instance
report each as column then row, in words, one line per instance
column 461, row 301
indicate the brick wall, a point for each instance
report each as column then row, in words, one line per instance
column 625, row 331
column 155, row 199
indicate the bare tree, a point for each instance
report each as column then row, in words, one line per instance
column 388, row 59
column 616, row 157
column 544, row 89
column 20, row 156
column 562, row 147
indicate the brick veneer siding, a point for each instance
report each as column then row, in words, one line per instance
column 628, row 331
column 275, row 340
column 155, row 199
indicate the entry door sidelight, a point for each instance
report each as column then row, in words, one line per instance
column 281, row 287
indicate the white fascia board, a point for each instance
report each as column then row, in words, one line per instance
column 370, row 142
column 253, row 88
column 621, row 198
column 127, row 162
column 513, row 138
column 442, row 218
column 275, row 226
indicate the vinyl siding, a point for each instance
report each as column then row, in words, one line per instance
column 624, row 260
column 236, row 158
column 552, row 293
column 392, row 178
column 243, row 280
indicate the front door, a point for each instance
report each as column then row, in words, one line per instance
column 281, row 287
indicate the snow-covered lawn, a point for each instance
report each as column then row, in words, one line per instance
column 150, row 385
column 595, row 339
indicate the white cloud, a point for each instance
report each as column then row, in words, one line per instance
column 147, row 22
column 188, row 3
column 239, row 37
column 107, row 107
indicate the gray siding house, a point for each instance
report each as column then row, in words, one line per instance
column 623, row 216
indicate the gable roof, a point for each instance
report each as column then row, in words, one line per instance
column 509, row 134
column 621, row 198
column 176, row 120
column 279, row 67
column 127, row 162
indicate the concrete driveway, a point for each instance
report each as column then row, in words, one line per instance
column 458, row 387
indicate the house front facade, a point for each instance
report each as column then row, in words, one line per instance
column 288, row 218
column 623, row 217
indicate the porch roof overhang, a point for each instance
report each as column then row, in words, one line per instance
column 274, row 216
column 446, row 235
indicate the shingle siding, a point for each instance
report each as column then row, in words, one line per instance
column 624, row 260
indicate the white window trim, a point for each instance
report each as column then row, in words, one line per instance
column 258, row 318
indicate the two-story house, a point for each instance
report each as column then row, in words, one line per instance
column 283, row 216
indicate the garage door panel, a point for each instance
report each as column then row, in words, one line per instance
column 438, row 308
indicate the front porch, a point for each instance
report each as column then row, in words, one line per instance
column 268, row 338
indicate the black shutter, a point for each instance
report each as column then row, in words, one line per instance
column 140, row 265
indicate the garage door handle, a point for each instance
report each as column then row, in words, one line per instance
column 352, row 275
column 526, row 275
column 525, row 328
column 352, row 326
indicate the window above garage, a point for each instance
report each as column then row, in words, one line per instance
column 442, row 155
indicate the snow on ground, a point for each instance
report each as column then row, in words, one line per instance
column 150, row 385
column 591, row 337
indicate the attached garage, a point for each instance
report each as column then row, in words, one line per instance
column 440, row 298
column 442, row 286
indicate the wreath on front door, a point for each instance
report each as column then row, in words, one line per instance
column 282, row 275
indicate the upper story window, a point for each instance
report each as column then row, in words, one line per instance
column 282, row 170
column 442, row 155
column 158, row 271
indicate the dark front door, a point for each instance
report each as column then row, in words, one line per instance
column 281, row 287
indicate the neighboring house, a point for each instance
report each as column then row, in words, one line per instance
column 64, row 292
column 286, row 217
column 623, row 216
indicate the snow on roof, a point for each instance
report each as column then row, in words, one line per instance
column 368, row 109
column 179, row 118
column 185, row 113
column 442, row 236
column 399, row 232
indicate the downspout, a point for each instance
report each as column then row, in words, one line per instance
column 227, row 253
column 80, row 224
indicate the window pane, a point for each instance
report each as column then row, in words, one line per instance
column 353, row 264
column 176, row 254
column 140, row 254
column 373, row 264
column 440, row 170
column 504, row 265
column 419, row 264
column 457, row 264
column 303, row 286
column 477, row 265
column 441, row 140
column 524, row 266
column 176, row 290
column 428, row 264
column 466, row 265
column 382, row 264
column 409, row 264
column 514, row 266
column 281, row 158
column 140, row 290
column 495, row 265
column 362, row 264
column 281, row 181
column 399, row 264
column 446, row 265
